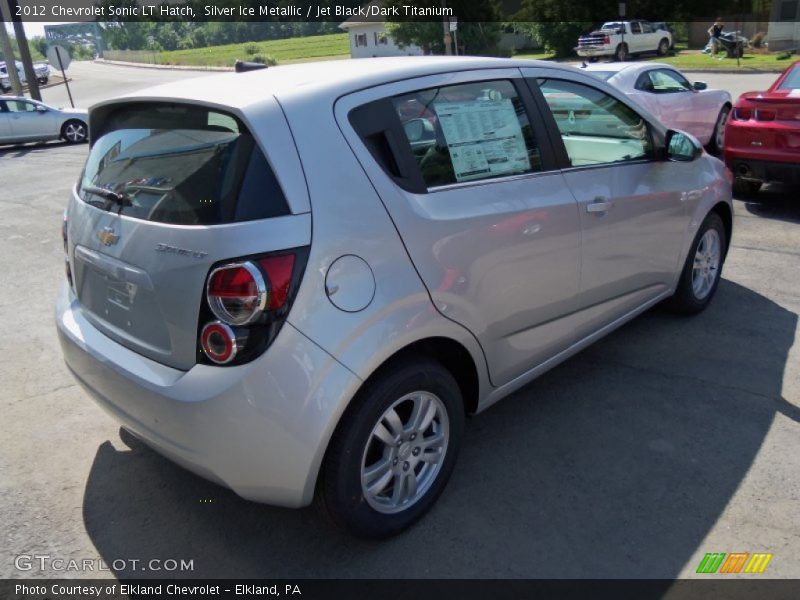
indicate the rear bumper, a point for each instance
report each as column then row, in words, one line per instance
column 594, row 51
column 260, row 429
column 762, row 170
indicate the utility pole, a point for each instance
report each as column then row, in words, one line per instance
column 446, row 30
column 11, row 61
column 24, row 52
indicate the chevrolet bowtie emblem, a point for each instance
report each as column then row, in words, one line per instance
column 107, row 236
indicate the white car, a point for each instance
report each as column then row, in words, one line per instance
column 668, row 94
column 42, row 74
column 24, row 120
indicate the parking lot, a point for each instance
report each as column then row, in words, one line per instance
column 671, row 438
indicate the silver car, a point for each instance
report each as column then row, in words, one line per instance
column 23, row 120
column 299, row 281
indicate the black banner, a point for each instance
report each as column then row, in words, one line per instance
column 508, row 11
column 418, row 589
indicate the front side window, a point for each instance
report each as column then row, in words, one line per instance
column 468, row 132
column 595, row 127
column 20, row 106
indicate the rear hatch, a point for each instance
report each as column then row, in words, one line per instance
column 771, row 122
column 170, row 190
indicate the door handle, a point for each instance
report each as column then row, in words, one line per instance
column 599, row 205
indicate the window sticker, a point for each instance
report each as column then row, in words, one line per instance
column 484, row 138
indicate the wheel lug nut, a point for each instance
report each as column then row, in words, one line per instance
column 413, row 436
column 415, row 452
column 394, row 462
column 406, row 465
column 399, row 443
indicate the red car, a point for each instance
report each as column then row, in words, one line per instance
column 762, row 137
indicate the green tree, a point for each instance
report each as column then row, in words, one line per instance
column 479, row 27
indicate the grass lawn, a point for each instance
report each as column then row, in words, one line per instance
column 316, row 47
column 688, row 60
column 749, row 62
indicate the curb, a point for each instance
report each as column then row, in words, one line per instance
column 121, row 63
column 733, row 71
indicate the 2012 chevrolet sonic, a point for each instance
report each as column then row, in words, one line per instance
column 298, row 281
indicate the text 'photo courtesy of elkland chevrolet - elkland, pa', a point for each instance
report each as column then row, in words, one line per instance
column 338, row 298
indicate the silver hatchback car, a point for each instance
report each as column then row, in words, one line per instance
column 298, row 281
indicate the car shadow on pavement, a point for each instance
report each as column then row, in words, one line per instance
column 776, row 201
column 20, row 150
column 615, row 464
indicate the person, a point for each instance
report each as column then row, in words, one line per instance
column 715, row 31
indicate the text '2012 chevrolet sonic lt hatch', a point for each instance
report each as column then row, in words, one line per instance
column 300, row 280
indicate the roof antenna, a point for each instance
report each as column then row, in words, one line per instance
column 241, row 66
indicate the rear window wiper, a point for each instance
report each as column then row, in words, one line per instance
column 115, row 197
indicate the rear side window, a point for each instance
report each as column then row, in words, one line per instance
column 180, row 164
column 468, row 132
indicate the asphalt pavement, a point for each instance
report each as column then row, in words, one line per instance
column 671, row 438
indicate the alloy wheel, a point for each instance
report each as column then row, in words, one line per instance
column 706, row 265
column 75, row 132
column 404, row 452
column 719, row 139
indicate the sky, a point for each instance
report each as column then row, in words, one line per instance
column 32, row 29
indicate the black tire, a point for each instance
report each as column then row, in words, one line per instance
column 74, row 131
column 44, row 80
column 663, row 47
column 339, row 489
column 716, row 144
column 746, row 188
column 593, row 59
column 621, row 53
column 685, row 300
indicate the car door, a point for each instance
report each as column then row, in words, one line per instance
column 469, row 179
column 630, row 203
column 28, row 123
column 650, row 37
column 5, row 123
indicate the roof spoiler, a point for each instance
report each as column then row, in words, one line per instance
column 241, row 66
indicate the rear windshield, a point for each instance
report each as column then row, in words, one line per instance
column 792, row 80
column 604, row 75
column 180, row 164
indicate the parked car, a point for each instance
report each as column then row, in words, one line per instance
column 444, row 272
column 623, row 39
column 668, row 94
column 762, row 139
column 23, row 120
column 42, row 74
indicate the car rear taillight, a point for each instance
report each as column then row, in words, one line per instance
column 246, row 302
column 237, row 293
column 765, row 114
column 606, row 40
column 220, row 342
column 742, row 114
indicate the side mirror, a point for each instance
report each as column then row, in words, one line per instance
column 41, row 109
column 700, row 86
column 682, row 147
